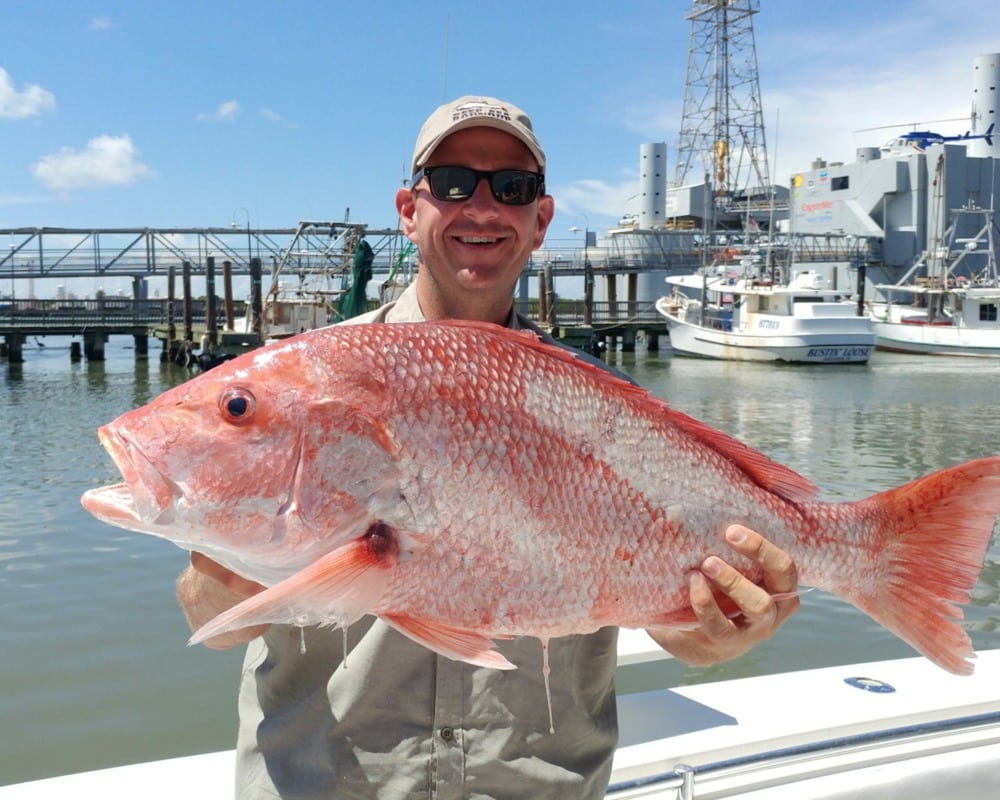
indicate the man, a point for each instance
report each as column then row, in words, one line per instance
column 377, row 715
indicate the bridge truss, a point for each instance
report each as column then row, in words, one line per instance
column 145, row 252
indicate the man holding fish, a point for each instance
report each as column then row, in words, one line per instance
column 370, row 712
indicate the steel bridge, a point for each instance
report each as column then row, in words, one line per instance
column 327, row 248
column 144, row 252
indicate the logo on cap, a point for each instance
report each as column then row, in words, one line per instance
column 479, row 110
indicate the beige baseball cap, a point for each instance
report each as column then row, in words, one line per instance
column 472, row 111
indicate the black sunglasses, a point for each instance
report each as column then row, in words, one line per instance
column 512, row 187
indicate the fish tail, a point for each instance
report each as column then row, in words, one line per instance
column 934, row 533
column 342, row 585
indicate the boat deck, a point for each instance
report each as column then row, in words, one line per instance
column 891, row 730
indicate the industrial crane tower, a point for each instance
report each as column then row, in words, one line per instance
column 722, row 125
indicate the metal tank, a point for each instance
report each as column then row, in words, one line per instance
column 652, row 213
column 652, row 185
column 986, row 79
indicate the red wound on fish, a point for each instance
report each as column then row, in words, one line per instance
column 382, row 542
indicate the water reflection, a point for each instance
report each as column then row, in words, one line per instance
column 852, row 431
column 14, row 373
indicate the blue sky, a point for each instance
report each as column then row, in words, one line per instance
column 120, row 114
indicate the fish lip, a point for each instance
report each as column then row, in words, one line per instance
column 145, row 495
column 112, row 504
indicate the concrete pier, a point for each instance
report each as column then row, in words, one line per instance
column 93, row 346
column 13, row 347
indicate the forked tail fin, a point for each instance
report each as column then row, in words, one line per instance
column 934, row 532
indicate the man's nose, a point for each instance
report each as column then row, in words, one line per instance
column 481, row 202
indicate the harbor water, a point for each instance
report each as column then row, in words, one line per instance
column 95, row 671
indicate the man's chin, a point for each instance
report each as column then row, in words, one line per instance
column 482, row 278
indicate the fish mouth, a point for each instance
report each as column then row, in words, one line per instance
column 144, row 499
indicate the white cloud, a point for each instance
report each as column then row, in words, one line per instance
column 106, row 161
column 22, row 199
column 596, row 197
column 273, row 116
column 99, row 23
column 864, row 110
column 226, row 112
column 28, row 103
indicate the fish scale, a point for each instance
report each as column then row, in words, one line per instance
column 466, row 482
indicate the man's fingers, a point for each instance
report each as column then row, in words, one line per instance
column 780, row 574
column 217, row 572
column 206, row 589
column 754, row 601
column 749, row 613
column 713, row 622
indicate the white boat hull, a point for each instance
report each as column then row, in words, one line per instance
column 690, row 340
column 762, row 337
column 902, row 329
column 746, row 317
column 825, row 734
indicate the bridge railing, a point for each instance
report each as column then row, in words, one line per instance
column 102, row 311
column 602, row 313
column 37, row 314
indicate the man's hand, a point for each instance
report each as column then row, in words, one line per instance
column 718, row 637
column 206, row 589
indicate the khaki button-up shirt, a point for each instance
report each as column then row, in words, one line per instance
column 395, row 720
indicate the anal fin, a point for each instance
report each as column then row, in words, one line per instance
column 460, row 644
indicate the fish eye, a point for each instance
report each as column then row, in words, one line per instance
column 237, row 405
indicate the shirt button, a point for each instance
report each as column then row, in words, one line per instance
column 447, row 733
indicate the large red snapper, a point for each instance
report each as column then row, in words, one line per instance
column 465, row 482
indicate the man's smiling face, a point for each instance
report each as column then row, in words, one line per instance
column 473, row 250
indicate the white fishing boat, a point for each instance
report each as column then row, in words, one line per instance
column 289, row 310
column 740, row 313
column 888, row 730
column 950, row 297
column 331, row 264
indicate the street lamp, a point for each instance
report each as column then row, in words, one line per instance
column 234, row 224
column 587, row 238
column 256, row 313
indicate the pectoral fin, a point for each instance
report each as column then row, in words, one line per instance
column 335, row 590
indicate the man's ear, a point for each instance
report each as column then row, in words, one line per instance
column 406, row 207
column 546, row 208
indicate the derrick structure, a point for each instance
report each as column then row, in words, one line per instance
column 722, row 125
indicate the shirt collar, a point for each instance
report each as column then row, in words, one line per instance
column 406, row 308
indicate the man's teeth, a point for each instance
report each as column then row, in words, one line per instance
column 478, row 239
